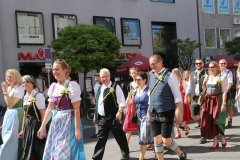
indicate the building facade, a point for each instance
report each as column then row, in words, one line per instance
column 143, row 26
column 219, row 21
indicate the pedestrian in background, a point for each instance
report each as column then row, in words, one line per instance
column 12, row 122
column 227, row 74
column 34, row 107
column 65, row 136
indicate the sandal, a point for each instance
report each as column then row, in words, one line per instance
column 178, row 135
column 187, row 128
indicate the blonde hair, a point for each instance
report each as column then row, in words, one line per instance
column 216, row 65
column 64, row 65
column 178, row 74
column 186, row 72
column 133, row 69
column 238, row 70
column 15, row 75
column 104, row 70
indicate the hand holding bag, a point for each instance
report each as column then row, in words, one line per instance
column 117, row 124
column 201, row 97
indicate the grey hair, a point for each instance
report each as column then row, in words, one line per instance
column 104, row 70
column 30, row 79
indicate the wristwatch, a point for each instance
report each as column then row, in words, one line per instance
column 120, row 111
column 4, row 93
column 224, row 103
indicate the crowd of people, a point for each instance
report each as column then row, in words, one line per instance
column 157, row 108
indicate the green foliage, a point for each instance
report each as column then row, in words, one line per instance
column 185, row 52
column 233, row 48
column 86, row 47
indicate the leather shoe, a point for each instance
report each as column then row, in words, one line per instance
column 125, row 158
column 184, row 157
column 202, row 140
column 94, row 135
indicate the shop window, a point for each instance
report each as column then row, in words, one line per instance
column 62, row 20
column 162, row 35
column 223, row 6
column 224, row 36
column 166, row 1
column 29, row 27
column 236, row 7
column 237, row 32
column 208, row 6
column 210, row 37
column 108, row 22
column 131, row 32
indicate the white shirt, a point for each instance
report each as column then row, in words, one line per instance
column 40, row 99
column 196, row 78
column 173, row 83
column 227, row 74
column 119, row 94
column 17, row 91
column 138, row 91
column 74, row 91
column 214, row 81
column 185, row 84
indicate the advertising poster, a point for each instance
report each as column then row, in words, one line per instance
column 223, row 6
column 208, row 6
column 236, row 6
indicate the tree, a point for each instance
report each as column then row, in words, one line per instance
column 185, row 52
column 86, row 48
column 233, row 48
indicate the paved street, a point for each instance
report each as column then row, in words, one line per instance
column 189, row 144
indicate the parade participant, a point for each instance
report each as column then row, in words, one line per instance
column 96, row 87
column 214, row 106
column 180, row 111
column 65, row 138
column 226, row 73
column 34, row 107
column 194, row 89
column 237, row 97
column 186, row 110
column 128, row 125
column 110, row 103
column 12, row 122
column 141, row 99
column 165, row 97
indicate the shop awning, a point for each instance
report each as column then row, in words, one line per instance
column 231, row 63
column 138, row 61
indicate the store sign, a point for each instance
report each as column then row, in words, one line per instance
column 30, row 56
column 138, row 63
column 236, row 20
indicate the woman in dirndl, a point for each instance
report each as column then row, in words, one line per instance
column 237, row 97
column 128, row 126
column 141, row 100
column 34, row 107
column 12, row 122
column 214, row 105
column 65, row 136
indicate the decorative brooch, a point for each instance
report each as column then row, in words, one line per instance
column 205, row 75
column 158, row 81
column 111, row 90
column 32, row 100
column 64, row 91
column 219, row 82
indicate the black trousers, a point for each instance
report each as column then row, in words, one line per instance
column 104, row 127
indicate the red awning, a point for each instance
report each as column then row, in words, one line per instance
column 231, row 63
column 138, row 61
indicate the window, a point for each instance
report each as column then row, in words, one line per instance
column 29, row 27
column 223, row 6
column 224, row 36
column 237, row 32
column 108, row 22
column 208, row 6
column 236, row 6
column 166, row 1
column 210, row 37
column 62, row 20
column 162, row 35
column 131, row 32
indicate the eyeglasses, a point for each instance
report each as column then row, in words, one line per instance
column 138, row 79
column 211, row 67
column 198, row 63
column 154, row 64
column 223, row 63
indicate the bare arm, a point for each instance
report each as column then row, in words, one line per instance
column 42, row 112
column 10, row 101
column 76, row 108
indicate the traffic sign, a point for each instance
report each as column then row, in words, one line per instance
column 48, row 58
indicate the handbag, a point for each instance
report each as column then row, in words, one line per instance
column 117, row 124
column 201, row 97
